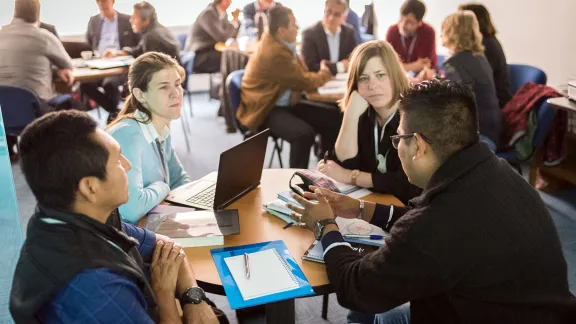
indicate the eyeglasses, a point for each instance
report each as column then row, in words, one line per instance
column 396, row 138
column 336, row 14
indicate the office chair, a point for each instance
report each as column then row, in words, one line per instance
column 19, row 107
column 521, row 74
column 187, row 62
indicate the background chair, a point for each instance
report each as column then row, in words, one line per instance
column 187, row 62
column 234, row 85
column 19, row 107
column 521, row 74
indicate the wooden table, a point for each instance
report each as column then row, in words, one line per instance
column 326, row 98
column 88, row 75
column 257, row 226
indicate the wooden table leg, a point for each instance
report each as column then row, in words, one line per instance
column 282, row 312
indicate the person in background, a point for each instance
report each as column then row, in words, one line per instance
column 153, row 36
column 211, row 27
column 364, row 155
column 79, row 262
column 256, row 10
column 467, row 63
column 272, row 87
column 28, row 54
column 477, row 246
column 143, row 131
column 493, row 52
column 413, row 39
column 109, row 30
column 351, row 18
column 339, row 38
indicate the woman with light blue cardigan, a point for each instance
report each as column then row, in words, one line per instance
column 143, row 130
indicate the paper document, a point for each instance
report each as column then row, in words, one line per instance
column 269, row 274
column 333, row 87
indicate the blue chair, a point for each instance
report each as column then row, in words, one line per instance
column 234, row 85
column 545, row 117
column 187, row 62
column 521, row 74
column 19, row 107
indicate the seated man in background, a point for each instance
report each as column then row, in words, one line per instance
column 477, row 246
column 413, row 39
column 211, row 27
column 256, row 10
column 153, row 36
column 109, row 30
column 272, row 89
column 28, row 54
column 352, row 19
column 339, row 37
column 79, row 262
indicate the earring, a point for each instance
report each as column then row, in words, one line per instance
column 414, row 158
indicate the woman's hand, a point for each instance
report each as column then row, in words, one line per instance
column 357, row 105
column 165, row 265
column 334, row 171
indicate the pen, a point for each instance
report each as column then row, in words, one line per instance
column 325, row 157
column 247, row 265
column 370, row 237
column 288, row 225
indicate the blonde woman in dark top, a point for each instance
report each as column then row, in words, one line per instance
column 364, row 154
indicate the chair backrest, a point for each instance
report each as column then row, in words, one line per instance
column 521, row 74
column 19, row 108
column 182, row 40
column 75, row 48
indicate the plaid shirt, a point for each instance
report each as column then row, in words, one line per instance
column 100, row 295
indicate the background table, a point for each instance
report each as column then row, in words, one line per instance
column 88, row 75
column 257, row 226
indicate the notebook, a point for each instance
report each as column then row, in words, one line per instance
column 360, row 227
column 269, row 274
column 315, row 252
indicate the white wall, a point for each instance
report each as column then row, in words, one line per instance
column 536, row 32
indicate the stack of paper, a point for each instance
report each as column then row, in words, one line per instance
column 189, row 229
column 333, row 87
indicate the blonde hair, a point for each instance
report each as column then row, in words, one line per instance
column 360, row 57
column 139, row 76
column 463, row 32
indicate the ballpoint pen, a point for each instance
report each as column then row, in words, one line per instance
column 247, row 265
column 325, row 157
column 288, row 225
column 370, row 237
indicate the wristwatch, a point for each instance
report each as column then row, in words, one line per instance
column 319, row 227
column 360, row 210
column 193, row 295
column 354, row 176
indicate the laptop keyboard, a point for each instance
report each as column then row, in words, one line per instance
column 204, row 198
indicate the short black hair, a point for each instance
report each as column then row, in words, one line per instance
column 445, row 112
column 415, row 7
column 146, row 11
column 57, row 150
column 278, row 16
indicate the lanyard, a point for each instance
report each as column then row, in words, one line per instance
column 410, row 49
column 381, row 160
column 163, row 162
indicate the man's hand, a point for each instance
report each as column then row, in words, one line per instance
column 346, row 64
column 324, row 66
column 165, row 266
column 426, row 74
column 342, row 205
column 235, row 15
column 419, row 65
column 334, row 171
column 108, row 53
column 199, row 314
column 66, row 76
column 312, row 212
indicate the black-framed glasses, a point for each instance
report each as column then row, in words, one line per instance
column 396, row 138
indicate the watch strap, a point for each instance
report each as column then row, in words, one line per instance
column 360, row 210
column 321, row 224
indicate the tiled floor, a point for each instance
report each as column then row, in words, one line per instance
column 208, row 138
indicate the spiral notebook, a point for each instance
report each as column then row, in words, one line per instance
column 269, row 274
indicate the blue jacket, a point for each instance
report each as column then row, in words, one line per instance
column 150, row 179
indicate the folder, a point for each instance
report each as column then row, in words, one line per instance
column 289, row 280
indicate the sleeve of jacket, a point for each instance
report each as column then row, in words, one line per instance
column 398, row 272
column 294, row 76
column 56, row 53
column 89, row 34
column 249, row 15
column 219, row 29
column 309, row 52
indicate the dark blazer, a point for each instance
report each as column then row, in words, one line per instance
column 497, row 59
column 475, row 71
column 249, row 12
column 126, row 37
column 50, row 28
column 156, row 38
column 315, row 46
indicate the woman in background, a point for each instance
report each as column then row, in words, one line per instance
column 142, row 129
column 493, row 52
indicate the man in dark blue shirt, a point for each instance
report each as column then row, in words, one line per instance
column 80, row 263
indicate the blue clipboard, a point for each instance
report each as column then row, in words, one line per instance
column 233, row 293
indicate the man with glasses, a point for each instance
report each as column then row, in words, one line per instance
column 413, row 39
column 341, row 39
column 477, row 246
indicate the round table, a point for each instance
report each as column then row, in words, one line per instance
column 256, row 226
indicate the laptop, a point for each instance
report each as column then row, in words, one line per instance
column 239, row 172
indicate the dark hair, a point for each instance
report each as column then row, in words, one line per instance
column 483, row 17
column 278, row 16
column 27, row 10
column 445, row 112
column 415, row 7
column 57, row 150
column 139, row 76
column 146, row 11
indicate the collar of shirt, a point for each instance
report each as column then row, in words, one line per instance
column 291, row 46
column 115, row 19
column 329, row 33
column 149, row 131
